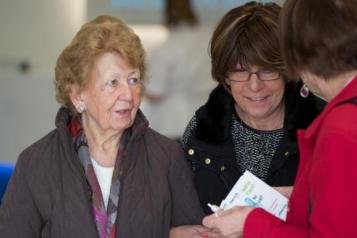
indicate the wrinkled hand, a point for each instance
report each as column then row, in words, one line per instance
column 285, row 190
column 192, row 231
column 228, row 223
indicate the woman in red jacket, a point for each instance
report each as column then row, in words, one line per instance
column 319, row 46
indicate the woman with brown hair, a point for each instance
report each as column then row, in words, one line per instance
column 319, row 46
column 250, row 120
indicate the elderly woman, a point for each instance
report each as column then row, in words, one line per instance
column 102, row 172
column 250, row 120
column 319, row 45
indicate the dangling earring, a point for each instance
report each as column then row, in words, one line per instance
column 81, row 107
column 304, row 91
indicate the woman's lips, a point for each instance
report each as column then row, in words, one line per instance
column 257, row 99
column 123, row 112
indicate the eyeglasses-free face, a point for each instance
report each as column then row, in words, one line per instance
column 113, row 95
column 242, row 74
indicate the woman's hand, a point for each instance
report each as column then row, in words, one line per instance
column 228, row 223
column 285, row 190
column 192, row 231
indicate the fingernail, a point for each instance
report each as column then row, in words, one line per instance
column 204, row 234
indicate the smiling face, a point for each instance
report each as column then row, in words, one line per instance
column 112, row 96
column 257, row 100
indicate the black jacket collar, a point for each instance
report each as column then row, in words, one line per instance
column 215, row 117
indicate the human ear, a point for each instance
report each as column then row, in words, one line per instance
column 227, row 81
column 76, row 98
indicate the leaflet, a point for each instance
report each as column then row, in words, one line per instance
column 249, row 190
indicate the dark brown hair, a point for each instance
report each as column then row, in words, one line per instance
column 101, row 35
column 179, row 11
column 319, row 36
column 246, row 35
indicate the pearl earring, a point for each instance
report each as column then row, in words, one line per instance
column 81, row 107
column 304, row 91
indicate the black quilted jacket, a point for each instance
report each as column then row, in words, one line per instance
column 210, row 149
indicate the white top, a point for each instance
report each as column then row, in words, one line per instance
column 179, row 72
column 104, row 176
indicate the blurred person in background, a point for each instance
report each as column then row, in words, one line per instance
column 319, row 46
column 102, row 172
column 250, row 119
column 179, row 71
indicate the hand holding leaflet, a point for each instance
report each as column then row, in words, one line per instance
column 251, row 191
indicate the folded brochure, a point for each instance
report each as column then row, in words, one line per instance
column 249, row 190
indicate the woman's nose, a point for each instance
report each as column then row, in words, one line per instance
column 124, row 92
column 254, row 83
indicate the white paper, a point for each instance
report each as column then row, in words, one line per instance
column 249, row 190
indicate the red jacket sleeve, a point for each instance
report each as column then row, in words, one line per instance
column 332, row 181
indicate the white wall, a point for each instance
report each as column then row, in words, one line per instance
column 36, row 30
column 27, row 112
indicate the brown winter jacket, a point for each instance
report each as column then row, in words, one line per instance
column 48, row 195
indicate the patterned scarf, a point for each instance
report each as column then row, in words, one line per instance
column 104, row 219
